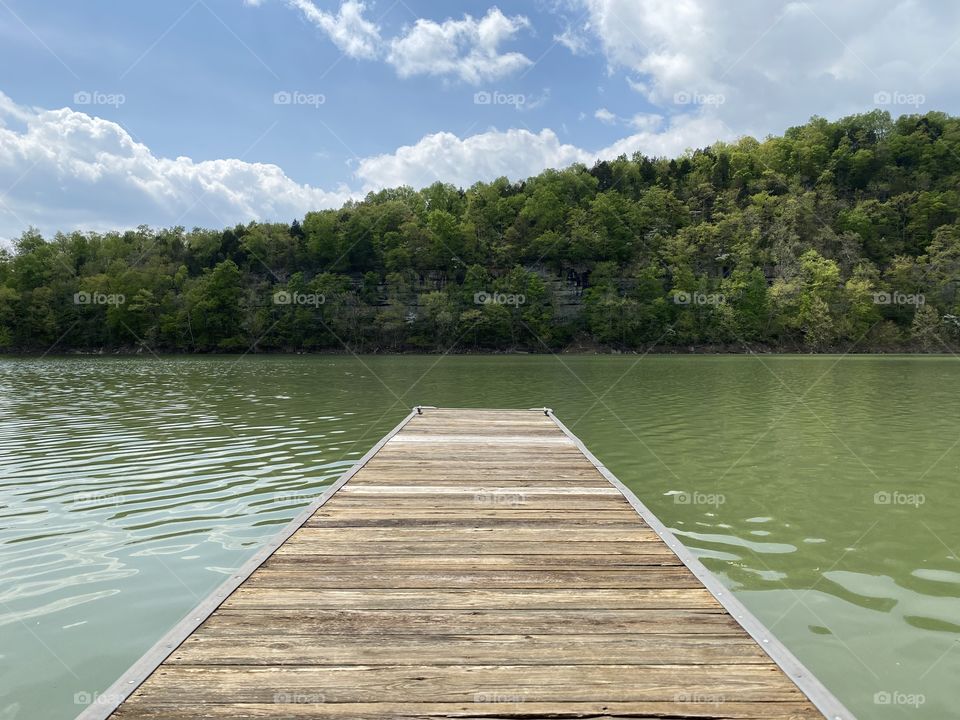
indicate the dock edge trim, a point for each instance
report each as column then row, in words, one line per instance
column 798, row 673
column 121, row 690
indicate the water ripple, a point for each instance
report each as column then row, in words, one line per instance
column 130, row 487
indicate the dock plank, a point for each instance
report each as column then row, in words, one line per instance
column 477, row 563
column 694, row 709
column 666, row 578
column 437, row 598
column 470, row 649
column 426, row 621
column 463, row 683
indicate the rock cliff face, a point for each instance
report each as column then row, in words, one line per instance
column 565, row 293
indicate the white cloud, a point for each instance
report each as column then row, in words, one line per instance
column 684, row 132
column 68, row 170
column 444, row 156
column 349, row 30
column 645, row 122
column 574, row 41
column 518, row 154
column 468, row 49
column 605, row 116
column 532, row 102
column 767, row 65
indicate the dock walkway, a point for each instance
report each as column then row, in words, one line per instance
column 474, row 564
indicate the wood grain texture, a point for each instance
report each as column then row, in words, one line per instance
column 477, row 566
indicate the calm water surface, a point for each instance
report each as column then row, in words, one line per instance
column 823, row 490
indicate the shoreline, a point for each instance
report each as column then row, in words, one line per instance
column 665, row 350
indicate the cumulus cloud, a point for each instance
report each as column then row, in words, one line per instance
column 519, row 154
column 762, row 66
column 468, row 49
column 646, row 121
column 67, row 170
column 684, row 132
column 445, row 157
column 349, row 30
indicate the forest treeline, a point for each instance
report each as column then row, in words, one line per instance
column 836, row 235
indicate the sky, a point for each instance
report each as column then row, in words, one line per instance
column 215, row 112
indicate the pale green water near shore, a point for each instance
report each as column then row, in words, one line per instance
column 129, row 487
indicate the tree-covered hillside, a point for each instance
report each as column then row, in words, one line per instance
column 836, row 235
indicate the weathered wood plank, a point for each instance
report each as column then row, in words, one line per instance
column 509, row 480
column 567, row 649
column 651, row 578
column 386, row 490
column 462, row 683
column 479, row 547
column 593, row 503
column 499, row 440
column 491, row 518
column 429, row 599
column 701, row 707
column 556, row 532
column 322, row 563
column 475, row 622
column 481, row 455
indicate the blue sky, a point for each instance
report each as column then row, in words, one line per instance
column 206, row 88
column 115, row 114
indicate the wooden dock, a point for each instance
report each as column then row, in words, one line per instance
column 474, row 564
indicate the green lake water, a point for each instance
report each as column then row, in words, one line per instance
column 823, row 490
